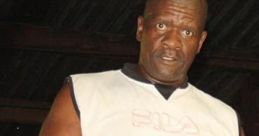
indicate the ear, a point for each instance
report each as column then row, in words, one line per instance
column 139, row 28
column 201, row 41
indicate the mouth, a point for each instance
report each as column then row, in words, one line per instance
column 166, row 58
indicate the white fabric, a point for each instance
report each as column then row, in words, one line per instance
column 112, row 104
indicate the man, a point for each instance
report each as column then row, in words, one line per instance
column 153, row 97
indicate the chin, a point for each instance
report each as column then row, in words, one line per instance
column 166, row 71
column 170, row 77
column 166, row 74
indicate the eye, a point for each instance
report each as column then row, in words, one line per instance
column 161, row 26
column 187, row 33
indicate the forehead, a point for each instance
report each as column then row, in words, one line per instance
column 182, row 6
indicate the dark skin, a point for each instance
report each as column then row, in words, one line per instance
column 170, row 38
column 171, row 34
column 62, row 119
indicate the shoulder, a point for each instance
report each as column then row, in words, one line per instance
column 90, row 81
column 220, row 110
column 216, row 104
column 105, row 75
column 62, row 118
column 90, row 86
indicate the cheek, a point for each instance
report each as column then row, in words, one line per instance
column 189, row 50
column 151, row 42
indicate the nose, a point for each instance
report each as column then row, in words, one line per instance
column 171, row 40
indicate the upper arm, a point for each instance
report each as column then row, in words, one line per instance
column 62, row 119
column 241, row 129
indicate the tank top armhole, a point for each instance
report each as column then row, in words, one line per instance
column 72, row 94
column 239, row 123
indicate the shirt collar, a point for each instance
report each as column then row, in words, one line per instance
column 130, row 70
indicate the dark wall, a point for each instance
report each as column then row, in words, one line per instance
column 42, row 42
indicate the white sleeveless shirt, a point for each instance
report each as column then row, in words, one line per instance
column 112, row 104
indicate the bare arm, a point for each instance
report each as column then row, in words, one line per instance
column 62, row 119
column 242, row 132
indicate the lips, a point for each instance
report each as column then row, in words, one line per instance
column 166, row 58
column 169, row 56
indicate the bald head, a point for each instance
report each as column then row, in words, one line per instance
column 200, row 6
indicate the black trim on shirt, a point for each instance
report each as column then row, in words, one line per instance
column 130, row 70
column 239, row 121
column 72, row 94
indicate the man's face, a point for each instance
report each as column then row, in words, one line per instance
column 171, row 35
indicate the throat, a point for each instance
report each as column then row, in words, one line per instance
column 165, row 91
column 165, row 88
column 175, row 83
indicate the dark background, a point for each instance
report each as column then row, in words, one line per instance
column 43, row 41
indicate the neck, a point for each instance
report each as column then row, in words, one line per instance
column 176, row 83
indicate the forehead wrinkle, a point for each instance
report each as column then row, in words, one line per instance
column 200, row 7
column 157, row 16
column 176, row 8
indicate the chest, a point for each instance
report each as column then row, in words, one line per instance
column 145, row 113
